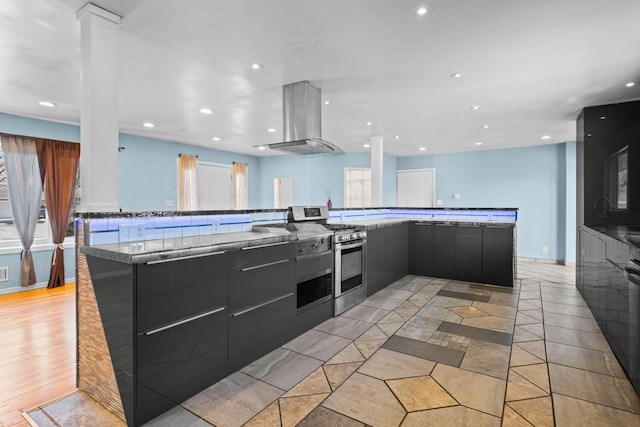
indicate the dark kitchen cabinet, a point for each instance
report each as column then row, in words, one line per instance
column 175, row 363
column 420, row 248
column 396, row 247
column 387, row 256
column 498, row 255
column 469, row 252
column 443, row 260
column 165, row 324
column 262, row 303
column 375, row 260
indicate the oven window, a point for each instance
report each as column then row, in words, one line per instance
column 313, row 290
column 351, row 275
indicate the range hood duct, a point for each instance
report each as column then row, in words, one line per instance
column 302, row 124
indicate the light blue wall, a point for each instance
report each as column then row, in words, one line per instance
column 313, row 175
column 148, row 172
column 532, row 179
column 540, row 181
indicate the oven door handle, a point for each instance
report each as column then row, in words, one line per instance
column 342, row 246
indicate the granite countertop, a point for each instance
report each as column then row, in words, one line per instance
column 164, row 249
column 373, row 224
column 628, row 235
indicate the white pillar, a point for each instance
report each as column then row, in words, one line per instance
column 99, row 109
column 377, row 154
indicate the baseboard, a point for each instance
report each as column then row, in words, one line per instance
column 33, row 287
column 548, row 261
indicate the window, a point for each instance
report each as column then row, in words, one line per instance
column 8, row 233
column 357, row 188
column 616, row 171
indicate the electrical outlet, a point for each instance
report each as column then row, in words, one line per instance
column 545, row 250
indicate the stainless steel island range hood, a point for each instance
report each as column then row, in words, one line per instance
column 301, row 105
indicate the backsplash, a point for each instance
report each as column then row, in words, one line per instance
column 122, row 227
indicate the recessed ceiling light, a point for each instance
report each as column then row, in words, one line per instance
column 422, row 10
column 215, row 138
column 262, row 147
column 456, row 75
column 545, row 137
column 397, row 137
column 476, row 107
column 368, row 123
column 630, row 84
column 206, row 110
column 485, row 126
column 366, row 145
column 256, row 66
column 148, row 124
column 47, row 104
column 327, row 102
column 478, row 143
column 271, row 130
column 422, row 149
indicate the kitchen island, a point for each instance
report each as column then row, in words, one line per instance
column 161, row 319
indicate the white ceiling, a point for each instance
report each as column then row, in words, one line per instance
column 532, row 65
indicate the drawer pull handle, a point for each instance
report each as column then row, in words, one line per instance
column 268, row 245
column 265, row 265
column 183, row 321
column 255, row 307
column 161, row 261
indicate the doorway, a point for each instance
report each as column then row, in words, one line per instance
column 416, row 188
column 214, row 186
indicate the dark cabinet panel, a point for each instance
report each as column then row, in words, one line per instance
column 263, row 254
column 375, row 261
column 256, row 332
column 443, row 260
column 177, row 289
column 260, row 284
column 420, row 248
column 180, row 361
column 469, row 252
column 498, row 255
column 395, row 252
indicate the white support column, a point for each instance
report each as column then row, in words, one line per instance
column 377, row 154
column 99, row 109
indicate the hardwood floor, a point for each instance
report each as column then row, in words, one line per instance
column 37, row 350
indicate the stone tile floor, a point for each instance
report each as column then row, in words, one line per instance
column 422, row 352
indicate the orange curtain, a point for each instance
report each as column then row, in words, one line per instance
column 240, row 187
column 60, row 161
column 187, row 195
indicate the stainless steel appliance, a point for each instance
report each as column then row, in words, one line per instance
column 349, row 253
column 314, row 272
column 350, row 273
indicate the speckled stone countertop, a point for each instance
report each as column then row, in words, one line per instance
column 373, row 224
column 157, row 250
column 623, row 236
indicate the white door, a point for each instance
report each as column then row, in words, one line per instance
column 282, row 192
column 214, row 186
column 416, row 188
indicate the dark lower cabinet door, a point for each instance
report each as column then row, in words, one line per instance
column 375, row 261
column 262, row 329
column 469, row 253
column 175, row 363
column 498, row 257
column 443, row 259
column 420, row 244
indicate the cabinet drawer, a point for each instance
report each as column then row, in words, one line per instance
column 178, row 289
column 307, row 266
column 252, row 256
column 255, row 333
column 260, row 283
column 178, row 362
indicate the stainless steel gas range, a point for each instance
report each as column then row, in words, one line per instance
column 349, row 253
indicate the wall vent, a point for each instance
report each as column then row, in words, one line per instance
column 4, row 274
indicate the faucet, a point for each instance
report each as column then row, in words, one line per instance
column 605, row 207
